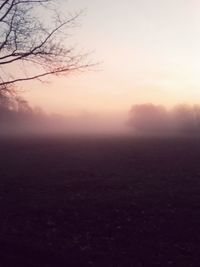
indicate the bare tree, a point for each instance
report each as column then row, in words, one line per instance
column 32, row 42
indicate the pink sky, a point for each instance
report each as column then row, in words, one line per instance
column 149, row 52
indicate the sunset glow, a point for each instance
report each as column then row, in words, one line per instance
column 148, row 52
column 99, row 133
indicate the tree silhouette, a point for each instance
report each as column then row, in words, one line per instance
column 33, row 42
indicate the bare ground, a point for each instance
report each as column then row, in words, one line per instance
column 99, row 202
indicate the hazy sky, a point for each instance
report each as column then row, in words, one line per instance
column 149, row 52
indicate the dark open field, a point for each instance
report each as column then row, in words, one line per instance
column 100, row 202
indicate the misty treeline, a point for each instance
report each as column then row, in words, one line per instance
column 147, row 119
column 16, row 113
column 18, row 117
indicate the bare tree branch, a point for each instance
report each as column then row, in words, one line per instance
column 55, row 72
column 3, row 4
column 25, row 38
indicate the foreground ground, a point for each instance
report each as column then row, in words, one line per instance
column 99, row 202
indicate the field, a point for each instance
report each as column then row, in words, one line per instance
column 99, row 201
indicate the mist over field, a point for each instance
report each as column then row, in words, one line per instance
column 19, row 118
column 99, row 155
column 149, row 119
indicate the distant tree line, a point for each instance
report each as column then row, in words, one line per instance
column 156, row 119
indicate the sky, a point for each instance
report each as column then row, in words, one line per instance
column 148, row 51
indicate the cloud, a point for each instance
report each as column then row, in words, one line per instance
column 147, row 119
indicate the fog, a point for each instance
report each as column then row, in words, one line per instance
column 150, row 119
column 17, row 117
